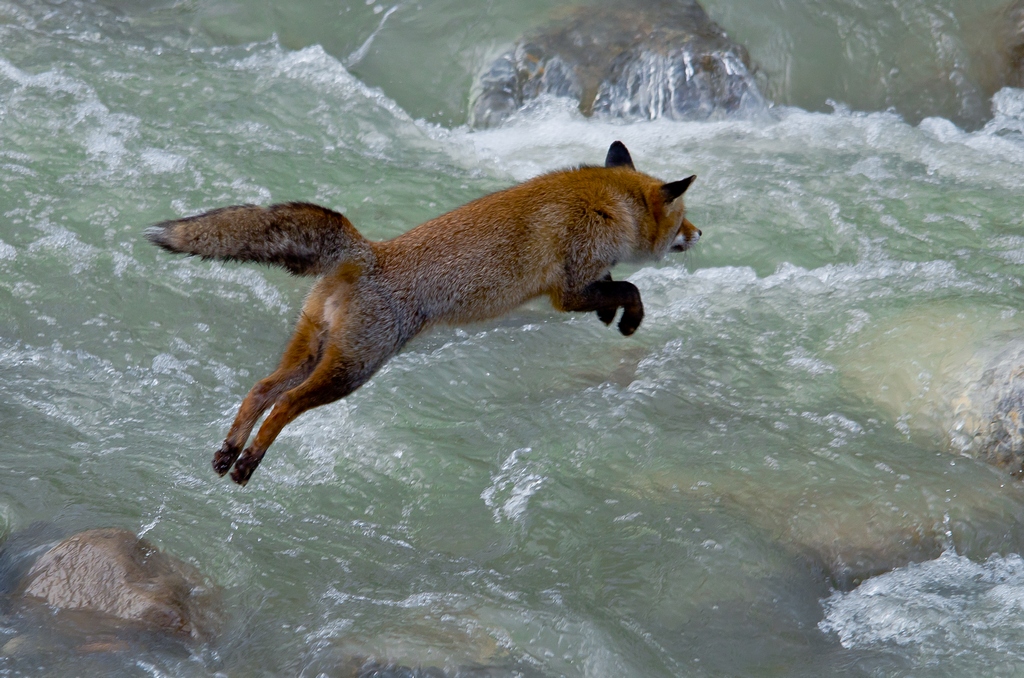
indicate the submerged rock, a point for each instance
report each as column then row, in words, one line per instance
column 847, row 532
column 643, row 59
column 435, row 646
column 113, row 573
column 948, row 376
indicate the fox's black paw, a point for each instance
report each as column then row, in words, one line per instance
column 607, row 314
column 225, row 457
column 630, row 321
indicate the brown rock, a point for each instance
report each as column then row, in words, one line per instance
column 113, row 572
column 634, row 59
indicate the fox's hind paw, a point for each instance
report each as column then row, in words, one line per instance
column 225, row 457
column 245, row 466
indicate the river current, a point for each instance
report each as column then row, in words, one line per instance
column 769, row 478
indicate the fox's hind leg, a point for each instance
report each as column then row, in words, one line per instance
column 363, row 335
column 299, row 359
column 330, row 380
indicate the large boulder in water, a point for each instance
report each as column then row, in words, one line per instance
column 640, row 59
column 948, row 376
column 113, row 572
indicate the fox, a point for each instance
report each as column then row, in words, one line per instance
column 558, row 234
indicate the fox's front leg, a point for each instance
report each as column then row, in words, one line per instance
column 606, row 314
column 606, row 297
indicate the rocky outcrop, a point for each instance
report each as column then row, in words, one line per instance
column 113, row 573
column 640, row 59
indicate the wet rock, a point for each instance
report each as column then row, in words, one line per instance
column 846, row 547
column 839, row 534
column 987, row 415
column 643, row 59
column 424, row 647
column 114, row 574
column 846, row 533
column 960, row 386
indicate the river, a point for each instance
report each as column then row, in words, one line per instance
column 536, row 495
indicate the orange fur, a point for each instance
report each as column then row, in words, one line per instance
column 557, row 235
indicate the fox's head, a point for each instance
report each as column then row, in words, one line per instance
column 665, row 228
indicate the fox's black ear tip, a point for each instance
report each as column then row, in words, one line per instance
column 618, row 156
column 675, row 189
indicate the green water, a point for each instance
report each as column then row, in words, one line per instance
column 536, row 494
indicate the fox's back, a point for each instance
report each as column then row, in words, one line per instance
column 491, row 255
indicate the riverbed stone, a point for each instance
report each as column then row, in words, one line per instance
column 637, row 59
column 115, row 574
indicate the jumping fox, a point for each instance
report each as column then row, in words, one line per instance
column 558, row 235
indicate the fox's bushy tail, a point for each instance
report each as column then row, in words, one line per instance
column 306, row 239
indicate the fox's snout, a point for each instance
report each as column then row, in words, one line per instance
column 687, row 237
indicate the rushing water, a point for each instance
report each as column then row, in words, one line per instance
column 536, row 494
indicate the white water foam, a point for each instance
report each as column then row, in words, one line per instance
column 239, row 283
column 511, row 487
column 101, row 132
column 939, row 609
column 673, row 292
column 319, row 69
column 551, row 133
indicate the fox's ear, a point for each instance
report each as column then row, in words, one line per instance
column 672, row 191
column 618, row 156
